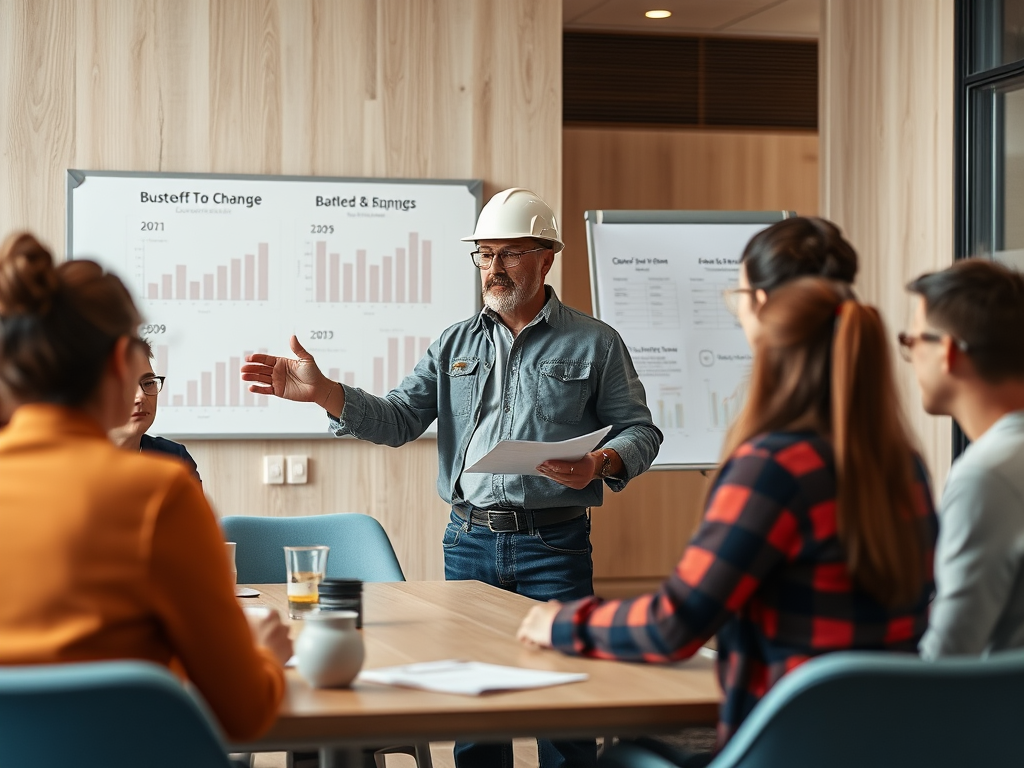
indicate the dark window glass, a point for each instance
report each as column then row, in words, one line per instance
column 998, row 33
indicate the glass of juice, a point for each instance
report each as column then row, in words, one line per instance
column 307, row 567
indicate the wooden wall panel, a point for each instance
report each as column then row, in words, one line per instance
column 639, row 534
column 887, row 159
column 391, row 88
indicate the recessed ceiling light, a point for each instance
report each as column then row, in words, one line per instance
column 658, row 14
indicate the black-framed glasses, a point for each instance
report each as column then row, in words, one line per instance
column 731, row 297
column 151, row 385
column 908, row 340
column 509, row 258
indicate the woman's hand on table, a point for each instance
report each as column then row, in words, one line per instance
column 535, row 630
column 269, row 631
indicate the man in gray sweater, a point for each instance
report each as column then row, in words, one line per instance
column 967, row 349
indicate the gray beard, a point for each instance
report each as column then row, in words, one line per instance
column 508, row 302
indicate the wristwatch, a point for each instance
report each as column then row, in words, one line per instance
column 606, row 465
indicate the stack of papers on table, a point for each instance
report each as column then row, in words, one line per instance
column 470, row 678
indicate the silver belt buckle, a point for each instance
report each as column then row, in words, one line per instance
column 515, row 518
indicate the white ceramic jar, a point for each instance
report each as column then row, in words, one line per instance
column 329, row 652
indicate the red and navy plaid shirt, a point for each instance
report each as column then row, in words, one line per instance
column 766, row 572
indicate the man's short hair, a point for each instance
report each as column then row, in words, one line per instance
column 147, row 348
column 980, row 303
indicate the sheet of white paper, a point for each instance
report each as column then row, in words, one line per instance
column 470, row 678
column 521, row 457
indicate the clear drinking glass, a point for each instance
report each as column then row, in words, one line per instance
column 307, row 567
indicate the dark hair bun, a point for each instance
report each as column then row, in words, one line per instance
column 28, row 277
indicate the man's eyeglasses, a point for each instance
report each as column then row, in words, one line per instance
column 508, row 257
column 152, row 385
column 908, row 340
column 731, row 296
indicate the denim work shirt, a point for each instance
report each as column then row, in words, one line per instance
column 567, row 375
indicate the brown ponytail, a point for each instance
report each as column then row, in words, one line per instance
column 58, row 324
column 874, row 461
column 822, row 361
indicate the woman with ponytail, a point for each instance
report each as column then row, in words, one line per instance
column 107, row 554
column 818, row 529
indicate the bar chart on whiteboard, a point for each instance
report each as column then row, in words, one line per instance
column 366, row 274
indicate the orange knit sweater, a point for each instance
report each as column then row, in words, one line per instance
column 108, row 554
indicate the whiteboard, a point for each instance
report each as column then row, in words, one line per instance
column 366, row 272
column 658, row 278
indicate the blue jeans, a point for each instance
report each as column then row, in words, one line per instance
column 551, row 563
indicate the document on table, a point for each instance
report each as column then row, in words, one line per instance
column 521, row 457
column 470, row 678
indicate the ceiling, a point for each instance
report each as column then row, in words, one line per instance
column 740, row 18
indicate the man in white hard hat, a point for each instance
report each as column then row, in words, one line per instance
column 525, row 368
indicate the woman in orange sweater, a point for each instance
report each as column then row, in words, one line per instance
column 106, row 554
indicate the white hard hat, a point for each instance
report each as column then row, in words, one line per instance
column 515, row 213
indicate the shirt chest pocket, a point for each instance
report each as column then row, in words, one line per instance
column 563, row 389
column 461, row 380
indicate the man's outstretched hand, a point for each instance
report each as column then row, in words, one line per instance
column 297, row 379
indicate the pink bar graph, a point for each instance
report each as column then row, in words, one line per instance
column 425, row 273
column 360, row 276
column 424, row 345
column 264, row 272
column 400, row 275
column 334, row 374
column 392, row 363
column 235, row 390
column 404, row 277
column 161, row 370
column 247, row 277
column 206, row 389
column 192, row 393
column 250, row 277
column 236, row 279
column 335, row 277
column 321, row 271
column 179, row 400
column 220, row 384
column 349, row 379
column 414, row 266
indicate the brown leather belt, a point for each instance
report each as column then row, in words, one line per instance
column 516, row 520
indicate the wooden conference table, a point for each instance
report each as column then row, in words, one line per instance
column 430, row 620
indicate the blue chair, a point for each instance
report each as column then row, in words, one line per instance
column 884, row 710
column 104, row 714
column 360, row 548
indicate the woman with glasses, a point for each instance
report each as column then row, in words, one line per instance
column 132, row 434
column 818, row 529
column 109, row 554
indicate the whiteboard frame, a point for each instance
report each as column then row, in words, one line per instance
column 76, row 177
column 598, row 217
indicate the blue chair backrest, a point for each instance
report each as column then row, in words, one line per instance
column 107, row 714
column 360, row 548
column 886, row 710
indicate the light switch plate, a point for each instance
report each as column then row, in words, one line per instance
column 298, row 469
column 273, row 470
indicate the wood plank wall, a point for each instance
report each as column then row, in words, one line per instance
column 639, row 534
column 886, row 127
column 391, row 88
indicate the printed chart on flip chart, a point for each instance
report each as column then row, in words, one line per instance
column 661, row 285
column 366, row 273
